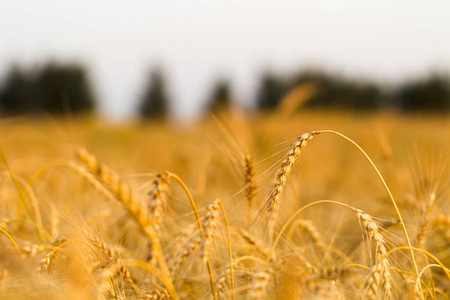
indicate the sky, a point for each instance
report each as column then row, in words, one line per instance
column 198, row 42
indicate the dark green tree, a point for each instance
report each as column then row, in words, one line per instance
column 270, row 91
column 15, row 92
column 64, row 89
column 221, row 96
column 336, row 91
column 53, row 88
column 154, row 101
column 427, row 94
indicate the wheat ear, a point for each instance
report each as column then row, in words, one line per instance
column 200, row 228
column 250, row 189
column 111, row 255
column 379, row 273
column 185, row 254
column 180, row 242
column 209, row 226
column 426, row 220
column 103, row 273
column 156, row 295
column 46, row 261
column 158, row 198
column 258, row 285
column 135, row 207
column 272, row 203
column 391, row 197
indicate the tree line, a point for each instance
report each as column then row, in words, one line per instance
column 52, row 88
column 66, row 88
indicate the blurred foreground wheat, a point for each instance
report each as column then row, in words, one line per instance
column 233, row 217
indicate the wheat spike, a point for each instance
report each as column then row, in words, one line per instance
column 112, row 256
column 185, row 254
column 209, row 227
column 258, row 285
column 99, row 244
column 222, row 281
column 259, row 246
column 426, row 220
column 102, row 272
column 272, row 203
column 250, row 189
column 156, row 295
column 180, row 241
column 379, row 273
column 46, row 261
column 31, row 250
column 285, row 168
column 133, row 204
column 158, row 198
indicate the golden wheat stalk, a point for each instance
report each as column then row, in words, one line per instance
column 112, row 255
column 258, row 285
column 273, row 202
column 103, row 273
column 386, row 187
column 31, row 250
column 209, row 226
column 135, row 207
column 158, row 200
column 46, row 261
column 185, row 254
column 99, row 244
column 379, row 273
column 250, row 189
column 426, row 220
column 200, row 228
column 180, row 241
column 222, row 281
column 156, row 295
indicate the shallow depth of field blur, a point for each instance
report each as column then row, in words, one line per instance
column 224, row 151
column 411, row 153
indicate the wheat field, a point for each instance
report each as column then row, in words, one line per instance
column 314, row 205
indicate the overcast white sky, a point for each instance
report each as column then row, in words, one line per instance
column 198, row 41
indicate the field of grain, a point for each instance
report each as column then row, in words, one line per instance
column 230, row 207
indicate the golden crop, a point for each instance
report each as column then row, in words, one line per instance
column 230, row 207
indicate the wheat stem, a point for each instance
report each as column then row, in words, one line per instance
column 425, row 252
column 417, row 286
column 22, row 201
column 191, row 200
column 10, row 238
column 292, row 218
column 200, row 228
column 230, row 252
column 382, row 264
column 385, row 186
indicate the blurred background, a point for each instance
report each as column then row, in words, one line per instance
column 183, row 59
